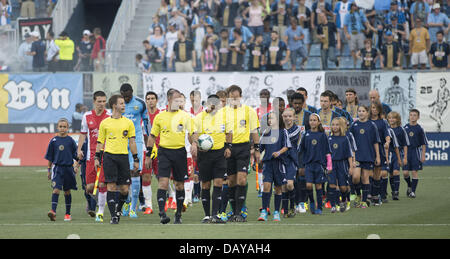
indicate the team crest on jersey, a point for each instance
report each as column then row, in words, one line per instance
column 273, row 139
column 242, row 123
column 125, row 133
column 411, row 134
column 180, row 127
column 136, row 108
column 61, row 147
column 362, row 131
column 335, row 146
column 314, row 142
column 222, row 128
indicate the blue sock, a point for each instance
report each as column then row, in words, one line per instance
column 223, row 206
column 414, row 183
column 396, row 182
column 310, row 194
column 391, row 183
column 408, row 181
column 68, row 199
column 266, row 200
column 277, row 202
column 285, row 201
column 54, row 201
column 331, row 196
column 291, row 196
column 135, row 188
column 365, row 191
column 384, row 183
column 375, row 188
column 319, row 194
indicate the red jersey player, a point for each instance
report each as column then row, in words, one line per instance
column 89, row 129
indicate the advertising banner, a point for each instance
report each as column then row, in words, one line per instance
column 41, row 25
column 39, row 98
column 338, row 82
column 110, row 82
column 438, row 150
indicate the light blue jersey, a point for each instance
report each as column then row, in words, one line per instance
column 136, row 111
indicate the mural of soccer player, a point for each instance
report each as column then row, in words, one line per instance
column 213, row 87
column 248, row 94
column 439, row 106
column 165, row 85
column 395, row 97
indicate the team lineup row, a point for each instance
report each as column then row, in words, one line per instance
column 299, row 149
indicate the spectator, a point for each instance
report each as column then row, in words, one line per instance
column 280, row 16
column 255, row 11
column 237, row 51
column 257, row 52
column 154, row 55
column 185, row 11
column 157, row 39
column 419, row 44
column 394, row 11
column 77, row 117
column 143, row 65
column 294, row 39
column 439, row 53
column 369, row 55
column 399, row 36
column 341, row 9
column 210, row 32
column 52, row 52
column 66, row 50
column 50, row 6
column 5, row 13
column 27, row 9
column 224, row 49
column 275, row 51
column 24, row 49
column 212, row 6
column 330, row 40
column 98, row 51
column 436, row 22
column 246, row 34
column 267, row 31
column 84, row 53
column 419, row 9
column 209, row 56
column 184, row 54
column 178, row 20
column 390, row 53
column 38, row 52
column 227, row 12
column 171, row 38
column 163, row 13
column 320, row 6
column 303, row 15
column 155, row 20
column 199, row 23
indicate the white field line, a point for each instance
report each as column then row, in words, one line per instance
column 224, row 225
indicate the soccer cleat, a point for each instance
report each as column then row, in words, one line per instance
column 395, row 196
column 363, row 205
column 114, row 220
column 133, row 214
column 333, row 209
column 91, row 213
column 244, row 212
column 348, row 206
column 318, row 212
column 177, row 219
column 352, row 197
column 163, row 218
column 412, row 195
column 223, row 216
column 52, row 215
column 276, row 216
column 291, row 213
column 195, row 199
column 206, row 219
column 218, row 219
column 263, row 216
column 384, row 200
column 239, row 218
column 230, row 215
column 302, row 207
column 342, row 206
column 328, row 205
column 185, row 206
column 126, row 209
column 148, row 211
column 408, row 191
column 307, row 206
column 312, row 208
column 99, row 217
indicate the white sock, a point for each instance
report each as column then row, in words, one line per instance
column 188, row 191
column 171, row 190
column 260, row 181
column 147, row 190
column 101, row 202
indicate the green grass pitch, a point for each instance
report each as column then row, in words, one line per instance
column 25, row 195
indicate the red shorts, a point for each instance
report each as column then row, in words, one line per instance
column 91, row 173
column 154, row 168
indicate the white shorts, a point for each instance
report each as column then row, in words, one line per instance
column 419, row 58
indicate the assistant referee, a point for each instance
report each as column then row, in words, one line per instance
column 171, row 126
column 117, row 131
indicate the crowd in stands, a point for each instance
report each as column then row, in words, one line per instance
column 275, row 35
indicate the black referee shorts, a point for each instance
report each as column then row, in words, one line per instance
column 116, row 168
column 173, row 161
column 240, row 159
column 212, row 164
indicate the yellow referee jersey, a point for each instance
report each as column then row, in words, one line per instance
column 244, row 120
column 214, row 125
column 116, row 133
column 171, row 127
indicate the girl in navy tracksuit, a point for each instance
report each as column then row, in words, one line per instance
column 317, row 157
column 275, row 143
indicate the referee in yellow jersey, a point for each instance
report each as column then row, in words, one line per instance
column 245, row 126
column 114, row 136
column 171, row 126
column 212, row 164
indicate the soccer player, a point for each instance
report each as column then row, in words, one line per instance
column 317, row 157
column 306, row 107
column 326, row 112
column 342, row 113
column 151, row 99
column 374, row 96
column 275, row 142
column 342, row 157
column 171, row 126
column 367, row 140
column 395, row 160
column 416, row 152
column 212, row 163
column 136, row 111
column 245, row 127
column 61, row 152
column 89, row 131
column 196, row 108
column 115, row 134
column 351, row 103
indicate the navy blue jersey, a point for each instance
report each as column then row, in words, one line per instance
column 273, row 140
column 314, row 146
column 383, row 129
column 61, row 151
column 343, row 113
column 340, row 147
column 294, row 134
column 302, row 119
column 351, row 138
column 366, row 135
column 401, row 137
column 416, row 135
column 311, row 109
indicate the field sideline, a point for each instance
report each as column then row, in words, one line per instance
column 25, row 200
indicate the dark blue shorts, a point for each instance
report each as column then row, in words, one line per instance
column 339, row 175
column 413, row 158
column 365, row 165
column 291, row 171
column 63, row 178
column 274, row 172
column 394, row 165
column 384, row 164
column 315, row 173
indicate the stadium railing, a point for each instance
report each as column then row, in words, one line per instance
column 62, row 13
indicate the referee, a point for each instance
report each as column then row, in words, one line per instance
column 116, row 131
column 245, row 125
column 171, row 126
